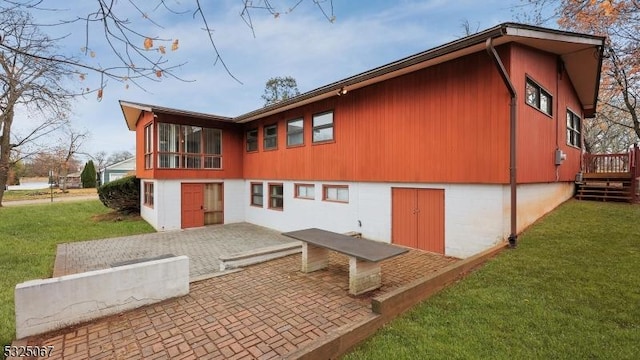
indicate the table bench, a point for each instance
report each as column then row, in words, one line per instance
column 364, row 256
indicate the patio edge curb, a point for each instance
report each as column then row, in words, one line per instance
column 388, row 306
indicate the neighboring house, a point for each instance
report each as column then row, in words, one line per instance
column 118, row 170
column 73, row 181
column 417, row 152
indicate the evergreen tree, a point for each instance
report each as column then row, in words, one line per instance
column 88, row 175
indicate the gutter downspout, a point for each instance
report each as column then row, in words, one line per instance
column 513, row 237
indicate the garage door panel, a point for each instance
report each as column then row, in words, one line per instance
column 418, row 218
column 430, row 220
column 404, row 221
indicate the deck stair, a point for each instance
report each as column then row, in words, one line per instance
column 610, row 177
column 605, row 187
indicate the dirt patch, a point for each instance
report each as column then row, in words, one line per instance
column 115, row 216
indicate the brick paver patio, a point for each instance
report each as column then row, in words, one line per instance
column 203, row 246
column 264, row 311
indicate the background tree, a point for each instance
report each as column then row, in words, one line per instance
column 71, row 145
column 89, row 175
column 140, row 53
column 39, row 165
column 27, row 83
column 278, row 89
column 100, row 159
column 617, row 124
column 118, row 156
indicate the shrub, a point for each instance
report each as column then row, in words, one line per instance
column 122, row 195
column 88, row 175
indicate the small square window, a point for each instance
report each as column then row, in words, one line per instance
column 537, row 97
column 338, row 193
column 276, row 198
column 574, row 138
column 256, row 194
column 252, row 140
column 305, row 191
column 323, row 127
column 295, row 132
column 270, row 137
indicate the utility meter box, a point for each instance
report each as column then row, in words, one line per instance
column 560, row 156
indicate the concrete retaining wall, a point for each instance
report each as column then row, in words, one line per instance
column 50, row 304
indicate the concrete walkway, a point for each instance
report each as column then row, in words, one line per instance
column 203, row 246
column 46, row 201
column 270, row 310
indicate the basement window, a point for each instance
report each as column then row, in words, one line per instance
column 148, row 194
column 537, row 97
column 336, row 193
column 276, row 196
column 256, row 194
column 305, row 191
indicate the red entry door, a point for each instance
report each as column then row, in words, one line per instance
column 417, row 218
column 192, row 205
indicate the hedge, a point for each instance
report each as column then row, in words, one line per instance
column 122, row 195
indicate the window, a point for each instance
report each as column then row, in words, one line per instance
column 276, row 200
column 573, row 129
column 537, row 97
column 256, row 194
column 339, row 193
column 270, row 137
column 323, row 127
column 148, row 194
column 295, row 132
column 148, row 146
column 252, row 140
column 305, row 191
column 189, row 147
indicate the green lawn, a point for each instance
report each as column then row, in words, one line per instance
column 571, row 290
column 28, row 238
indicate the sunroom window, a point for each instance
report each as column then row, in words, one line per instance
column 189, row 147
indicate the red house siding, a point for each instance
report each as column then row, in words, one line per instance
column 447, row 123
column 538, row 133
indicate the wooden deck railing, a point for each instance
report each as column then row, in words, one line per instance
column 607, row 163
column 616, row 165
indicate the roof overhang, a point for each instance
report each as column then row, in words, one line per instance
column 580, row 53
column 132, row 112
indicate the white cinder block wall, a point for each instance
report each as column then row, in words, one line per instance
column 476, row 215
column 166, row 212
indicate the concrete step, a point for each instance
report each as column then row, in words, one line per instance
column 243, row 259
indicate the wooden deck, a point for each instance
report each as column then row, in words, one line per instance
column 611, row 177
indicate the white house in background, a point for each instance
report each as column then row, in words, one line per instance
column 118, row 170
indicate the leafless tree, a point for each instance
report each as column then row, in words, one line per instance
column 70, row 145
column 32, row 84
column 118, row 156
column 140, row 54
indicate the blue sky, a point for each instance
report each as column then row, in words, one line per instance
column 301, row 44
